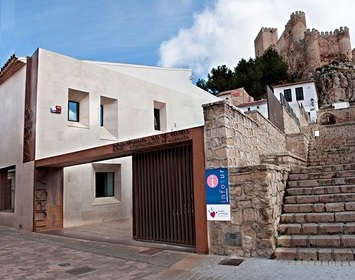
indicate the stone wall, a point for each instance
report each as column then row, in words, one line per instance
column 234, row 139
column 290, row 123
column 256, row 195
column 297, row 144
column 240, row 142
column 344, row 115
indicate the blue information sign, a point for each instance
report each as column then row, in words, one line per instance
column 217, row 189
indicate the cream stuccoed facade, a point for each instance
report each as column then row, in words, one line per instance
column 112, row 102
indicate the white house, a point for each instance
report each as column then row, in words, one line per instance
column 301, row 93
column 52, row 104
column 259, row 105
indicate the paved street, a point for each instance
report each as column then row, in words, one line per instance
column 26, row 255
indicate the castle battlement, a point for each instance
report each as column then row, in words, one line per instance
column 268, row 29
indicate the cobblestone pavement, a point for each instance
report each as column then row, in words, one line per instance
column 26, row 255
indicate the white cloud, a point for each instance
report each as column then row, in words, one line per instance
column 225, row 33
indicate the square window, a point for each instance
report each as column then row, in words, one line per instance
column 78, row 108
column 7, row 189
column 73, row 111
column 108, row 118
column 288, row 95
column 299, row 93
column 156, row 119
column 105, row 184
column 159, row 116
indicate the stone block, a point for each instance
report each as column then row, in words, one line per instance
column 307, row 199
column 334, row 207
column 298, row 208
column 287, row 218
column 319, row 207
column 291, row 199
column 299, row 218
column 343, row 255
column 327, row 198
column 349, row 228
column 308, row 183
column 292, row 184
column 290, row 229
column 310, row 228
column 325, row 241
column 347, row 216
column 348, row 241
column 284, row 241
column 319, row 217
column 286, row 253
column 307, row 254
column 244, row 204
column 331, row 228
column 249, row 215
column 299, row 241
column 347, row 189
column 318, row 190
column 295, row 177
column 350, row 206
column 325, row 254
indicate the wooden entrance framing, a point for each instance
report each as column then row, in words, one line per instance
column 188, row 143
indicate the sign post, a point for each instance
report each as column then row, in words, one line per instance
column 217, row 194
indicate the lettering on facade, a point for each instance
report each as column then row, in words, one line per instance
column 41, row 197
column 150, row 141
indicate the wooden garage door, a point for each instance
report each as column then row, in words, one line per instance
column 163, row 197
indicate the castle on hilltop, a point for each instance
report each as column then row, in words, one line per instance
column 305, row 49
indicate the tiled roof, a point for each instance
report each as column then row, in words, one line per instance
column 12, row 65
column 292, row 84
column 254, row 103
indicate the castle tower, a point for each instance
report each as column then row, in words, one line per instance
column 344, row 44
column 312, row 50
column 266, row 38
column 298, row 25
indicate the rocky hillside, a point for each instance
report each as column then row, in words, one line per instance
column 335, row 82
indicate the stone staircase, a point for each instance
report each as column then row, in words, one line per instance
column 318, row 219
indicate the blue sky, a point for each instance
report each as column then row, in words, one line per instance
column 196, row 34
column 114, row 30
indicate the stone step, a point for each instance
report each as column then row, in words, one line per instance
column 316, row 162
column 319, row 207
column 318, row 169
column 340, row 158
column 332, row 149
column 322, row 175
column 348, row 198
column 317, row 228
column 315, row 254
column 325, row 217
column 321, row 241
column 321, row 190
column 321, row 182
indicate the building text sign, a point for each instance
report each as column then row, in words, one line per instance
column 217, row 194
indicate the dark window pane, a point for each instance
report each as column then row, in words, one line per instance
column 7, row 189
column 105, row 184
column 101, row 115
column 156, row 119
column 73, row 111
column 299, row 93
column 288, row 95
